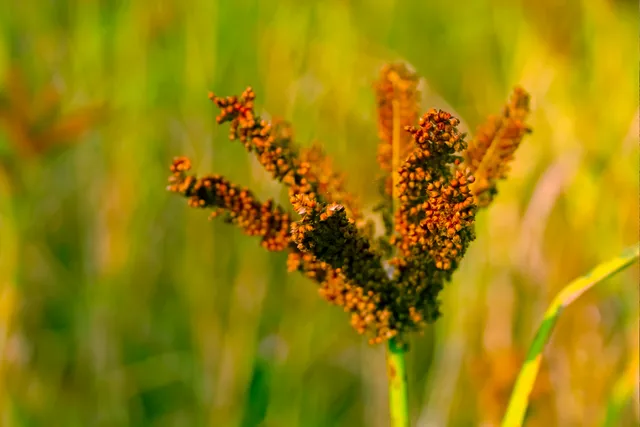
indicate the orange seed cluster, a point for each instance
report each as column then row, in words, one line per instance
column 272, row 145
column 494, row 145
column 330, row 183
column 327, row 232
column 367, row 314
column 435, row 220
column 358, row 281
column 238, row 204
column 398, row 106
column 398, row 99
column 436, row 206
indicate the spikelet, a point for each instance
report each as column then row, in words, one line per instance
column 398, row 103
column 494, row 145
column 367, row 312
column 435, row 220
column 436, row 207
column 238, row 205
column 397, row 95
column 330, row 183
column 271, row 145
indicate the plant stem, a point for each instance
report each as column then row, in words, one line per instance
column 397, row 374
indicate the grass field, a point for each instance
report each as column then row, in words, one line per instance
column 120, row 306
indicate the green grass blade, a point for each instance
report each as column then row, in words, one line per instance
column 526, row 378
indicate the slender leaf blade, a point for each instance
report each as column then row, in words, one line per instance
column 519, row 400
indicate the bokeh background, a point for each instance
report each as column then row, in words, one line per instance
column 120, row 306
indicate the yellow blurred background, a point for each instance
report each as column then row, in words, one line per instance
column 120, row 306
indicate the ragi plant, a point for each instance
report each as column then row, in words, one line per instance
column 432, row 185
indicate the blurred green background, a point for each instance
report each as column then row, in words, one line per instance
column 120, row 306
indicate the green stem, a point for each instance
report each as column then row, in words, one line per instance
column 397, row 374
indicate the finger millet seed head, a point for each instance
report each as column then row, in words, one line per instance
column 437, row 198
